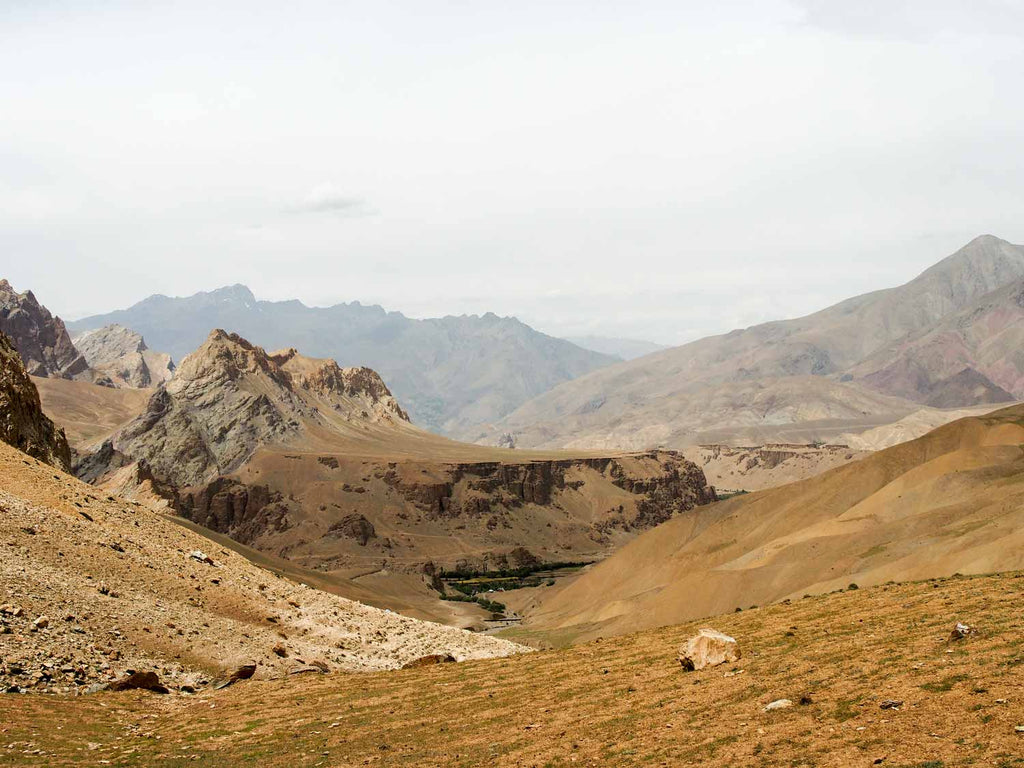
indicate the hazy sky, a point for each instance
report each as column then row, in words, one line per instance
column 657, row 170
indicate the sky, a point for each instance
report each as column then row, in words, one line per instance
column 652, row 170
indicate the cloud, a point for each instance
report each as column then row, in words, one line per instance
column 328, row 198
column 913, row 19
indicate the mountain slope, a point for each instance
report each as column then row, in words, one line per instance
column 609, row 406
column 951, row 501
column 981, row 346
column 229, row 398
column 23, row 424
column 624, row 349
column 449, row 372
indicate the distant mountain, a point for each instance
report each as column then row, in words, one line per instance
column 975, row 354
column 611, row 406
column 624, row 349
column 449, row 372
column 122, row 356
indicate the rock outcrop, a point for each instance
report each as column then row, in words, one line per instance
column 122, row 356
column 230, row 397
column 708, row 648
column 40, row 338
column 22, row 421
column 472, row 489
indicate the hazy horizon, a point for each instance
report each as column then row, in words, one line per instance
column 659, row 173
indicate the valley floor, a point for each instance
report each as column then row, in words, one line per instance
column 616, row 701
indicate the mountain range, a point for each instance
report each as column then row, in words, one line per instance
column 450, row 372
column 946, row 338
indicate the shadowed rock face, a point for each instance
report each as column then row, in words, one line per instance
column 22, row 421
column 678, row 486
column 40, row 338
column 243, row 512
column 121, row 354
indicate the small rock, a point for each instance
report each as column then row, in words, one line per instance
column 305, row 670
column 1019, row 729
column 41, row 622
column 280, row 650
column 146, row 681
column 778, row 704
column 244, row 672
column 890, row 704
column 708, row 648
column 960, row 631
column 200, row 557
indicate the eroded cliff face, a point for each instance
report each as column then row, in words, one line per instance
column 474, row 489
column 243, row 512
column 405, row 515
column 22, row 421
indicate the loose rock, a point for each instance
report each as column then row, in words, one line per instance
column 778, row 704
column 960, row 631
column 708, row 648
column 244, row 672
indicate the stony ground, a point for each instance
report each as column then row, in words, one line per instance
column 619, row 701
column 92, row 586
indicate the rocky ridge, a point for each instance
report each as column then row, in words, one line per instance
column 22, row 421
column 488, row 508
column 40, row 338
column 230, row 397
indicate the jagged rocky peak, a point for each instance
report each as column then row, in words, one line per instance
column 39, row 337
column 228, row 355
column 229, row 398
column 121, row 355
column 22, row 421
column 326, row 379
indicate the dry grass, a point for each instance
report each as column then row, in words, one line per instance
column 621, row 701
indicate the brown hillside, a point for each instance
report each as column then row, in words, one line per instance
column 951, row 501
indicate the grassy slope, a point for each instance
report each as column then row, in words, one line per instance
column 621, row 701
